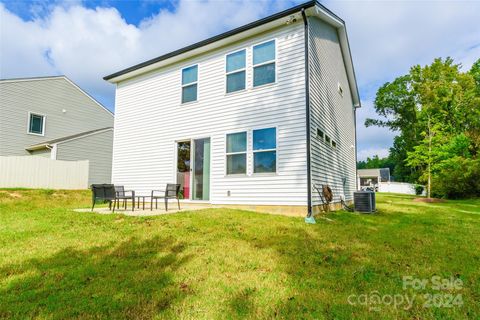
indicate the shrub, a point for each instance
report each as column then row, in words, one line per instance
column 457, row 178
column 419, row 189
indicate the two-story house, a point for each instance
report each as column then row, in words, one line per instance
column 250, row 118
column 52, row 117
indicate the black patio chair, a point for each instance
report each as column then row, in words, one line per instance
column 105, row 193
column 171, row 191
column 122, row 194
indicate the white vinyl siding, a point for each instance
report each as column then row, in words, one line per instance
column 149, row 120
column 332, row 114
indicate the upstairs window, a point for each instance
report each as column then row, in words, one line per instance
column 265, row 150
column 36, row 124
column 235, row 69
column 189, row 84
column 264, row 63
column 237, row 153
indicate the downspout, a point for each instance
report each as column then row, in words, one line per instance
column 357, row 186
column 309, row 218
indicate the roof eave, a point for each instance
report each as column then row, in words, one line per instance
column 147, row 65
column 312, row 8
column 36, row 147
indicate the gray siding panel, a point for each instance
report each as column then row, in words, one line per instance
column 97, row 148
column 49, row 97
column 331, row 112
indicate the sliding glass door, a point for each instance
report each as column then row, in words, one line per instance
column 201, row 169
column 183, row 168
column 193, row 168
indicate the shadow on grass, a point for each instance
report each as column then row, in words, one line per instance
column 311, row 265
column 133, row 279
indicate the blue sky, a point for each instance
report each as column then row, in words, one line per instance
column 132, row 11
column 87, row 40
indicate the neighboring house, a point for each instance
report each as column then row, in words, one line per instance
column 371, row 178
column 52, row 117
column 251, row 117
column 379, row 179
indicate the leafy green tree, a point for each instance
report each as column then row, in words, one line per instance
column 436, row 111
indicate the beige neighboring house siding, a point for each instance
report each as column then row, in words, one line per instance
column 66, row 108
column 97, row 148
column 331, row 112
column 46, row 153
column 369, row 172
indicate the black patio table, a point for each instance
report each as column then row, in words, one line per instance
column 143, row 201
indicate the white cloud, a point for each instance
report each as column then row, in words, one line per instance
column 371, row 138
column 87, row 44
column 388, row 37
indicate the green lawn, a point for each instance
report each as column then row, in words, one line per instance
column 225, row 264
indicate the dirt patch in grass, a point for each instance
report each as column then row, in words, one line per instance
column 429, row 200
column 11, row 194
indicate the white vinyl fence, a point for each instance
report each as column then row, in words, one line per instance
column 398, row 187
column 40, row 172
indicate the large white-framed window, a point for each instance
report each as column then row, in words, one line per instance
column 264, row 63
column 264, row 146
column 36, row 124
column 190, row 84
column 236, row 153
column 235, row 69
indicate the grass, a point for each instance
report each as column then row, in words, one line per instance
column 228, row 264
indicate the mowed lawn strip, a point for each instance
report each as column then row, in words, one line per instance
column 229, row 264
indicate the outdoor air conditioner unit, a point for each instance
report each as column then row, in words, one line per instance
column 364, row 201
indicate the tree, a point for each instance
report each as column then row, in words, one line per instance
column 436, row 111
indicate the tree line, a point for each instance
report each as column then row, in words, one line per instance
column 435, row 110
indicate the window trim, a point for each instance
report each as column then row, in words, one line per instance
column 236, row 71
column 189, row 84
column 265, row 150
column 275, row 61
column 30, row 113
column 234, row 153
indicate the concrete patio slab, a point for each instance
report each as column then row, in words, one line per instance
column 140, row 212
